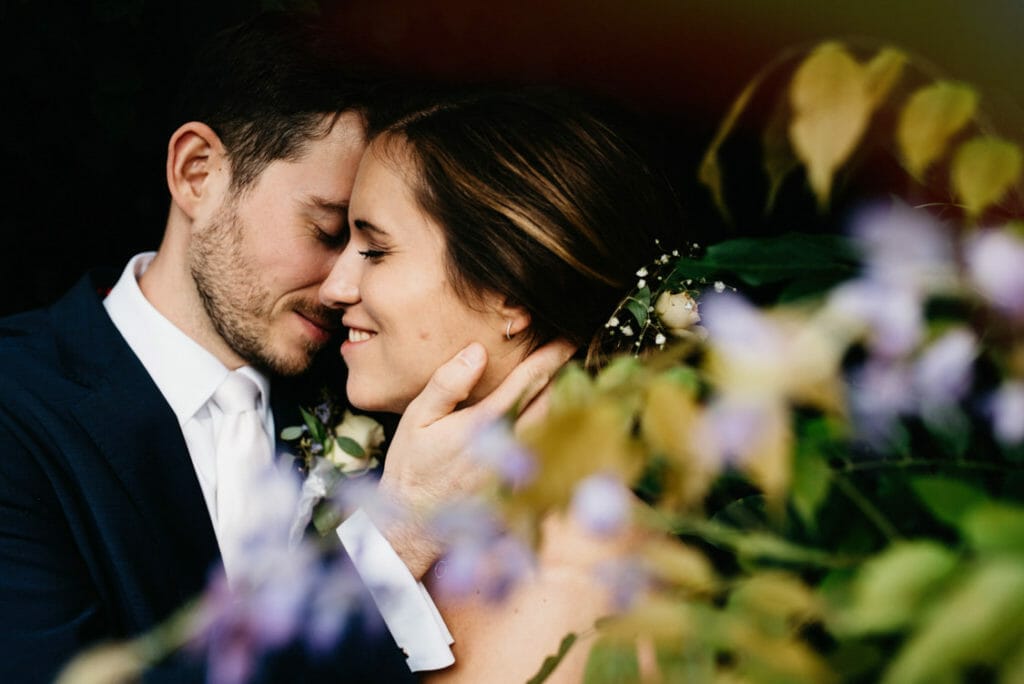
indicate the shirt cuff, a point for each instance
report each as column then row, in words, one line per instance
column 404, row 604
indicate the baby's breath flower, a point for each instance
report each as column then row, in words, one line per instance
column 719, row 286
column 626, row 330
column 613, row 322
column 641, row 284
column 642, row 273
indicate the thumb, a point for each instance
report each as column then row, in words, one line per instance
column 448, row 386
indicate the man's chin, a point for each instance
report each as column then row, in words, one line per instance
column 290, row 363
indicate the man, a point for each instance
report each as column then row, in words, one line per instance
column 109, row 482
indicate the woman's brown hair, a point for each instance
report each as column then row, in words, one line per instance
column 540, row 200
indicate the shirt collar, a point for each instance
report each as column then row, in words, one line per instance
column 185, row 372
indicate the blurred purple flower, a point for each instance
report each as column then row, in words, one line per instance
column 323, row 412
column 728, row 429
column 495, row 445
column 363, row 492
column 1007, row 408
column 628, row 578
column 880, row 392
column 601, row 504
column 905, row 247
column 479, row 555
column 892, row 313
column 739, row 330
column 995, row 262
column 240, row 625
column 943, row 373
column 338, row 595
column 492, row 567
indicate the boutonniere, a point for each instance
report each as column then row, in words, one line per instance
column 331, row 445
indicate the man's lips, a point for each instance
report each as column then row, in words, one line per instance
column 319, row 327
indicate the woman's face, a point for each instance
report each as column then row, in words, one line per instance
column 403, row 316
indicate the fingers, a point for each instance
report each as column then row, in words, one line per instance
column 532, row 413
column 449, row 385
column 526, row 380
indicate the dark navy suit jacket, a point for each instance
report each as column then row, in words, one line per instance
column 103, row 528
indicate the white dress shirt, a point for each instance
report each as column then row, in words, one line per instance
column 187, row 376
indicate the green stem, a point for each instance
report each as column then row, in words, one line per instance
column 869, row 510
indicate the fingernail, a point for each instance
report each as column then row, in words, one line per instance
column 472, row 356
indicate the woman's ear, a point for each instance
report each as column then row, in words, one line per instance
column 516, row 319
column 196, row 166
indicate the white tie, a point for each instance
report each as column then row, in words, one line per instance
column 243, row 455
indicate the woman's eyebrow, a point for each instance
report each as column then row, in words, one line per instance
column 362, row 224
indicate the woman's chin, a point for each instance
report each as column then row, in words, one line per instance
column 367, row 399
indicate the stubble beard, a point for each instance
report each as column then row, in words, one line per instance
column 236, row 302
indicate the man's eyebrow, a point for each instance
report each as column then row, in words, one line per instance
column 325, row 204
column 362, row 224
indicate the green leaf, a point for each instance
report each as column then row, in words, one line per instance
column 947, row 499
column 831, row 107
column 552, row 661
column 316, row 428
column 351, row 447
column 812, row 479
column 611, row 663
column 994, row 526
column 792, row 256
column 638, row 306
column 929, row 120
column 890, row 589
column 978, row 622
column 572, row 387
column 290, row 434
column 984, row 169
column 326, row 518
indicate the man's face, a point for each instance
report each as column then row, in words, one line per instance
column 259, row 260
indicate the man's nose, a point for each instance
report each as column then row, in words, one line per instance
column 339, row 290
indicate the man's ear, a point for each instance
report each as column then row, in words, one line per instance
column 196, row 165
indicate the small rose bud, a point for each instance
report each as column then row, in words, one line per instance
column 677, row 311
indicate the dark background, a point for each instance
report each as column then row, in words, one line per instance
column 87, row 89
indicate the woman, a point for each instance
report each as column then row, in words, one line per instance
column 508, row 219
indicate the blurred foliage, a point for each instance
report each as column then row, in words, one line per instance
column 811, row 550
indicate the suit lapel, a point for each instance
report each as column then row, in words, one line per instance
column 138, row 435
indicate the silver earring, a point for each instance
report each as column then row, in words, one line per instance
column 508, row 331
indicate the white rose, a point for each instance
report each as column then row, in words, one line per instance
column 364, row 431
column 677, row 312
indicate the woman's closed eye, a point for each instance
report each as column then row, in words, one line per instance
column 373, row 255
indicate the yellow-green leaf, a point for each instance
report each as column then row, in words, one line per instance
column 774, row 594
column 831, row 107
column 984, row 168
column 890, row 589
column 769, row 461
column 930, row 118
column 882, row 73
column 667, row 424
column 979, row 622
column 664, row 619
column 710, row 172
column 572, row 444
column 779, row 159
column 678, row 565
